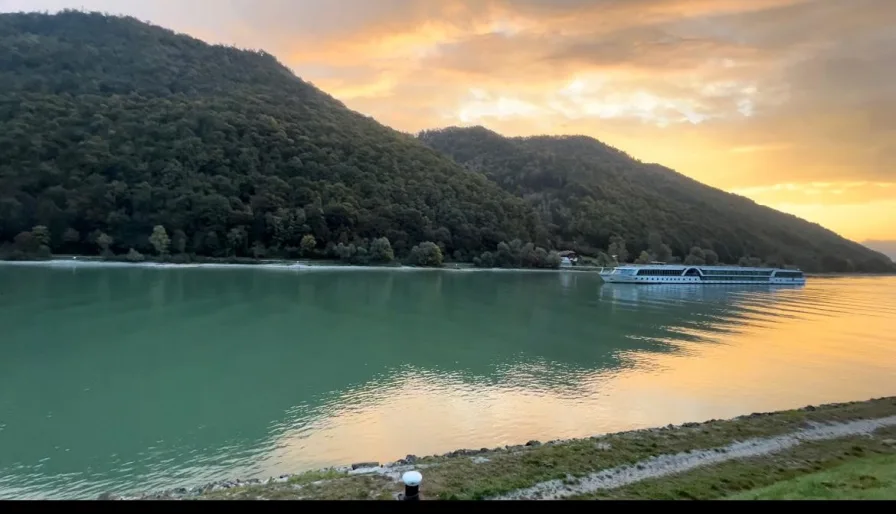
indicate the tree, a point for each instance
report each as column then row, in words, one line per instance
column 712, row 258
column 696, row 257
column 381, row 250
column 605, row 260
column 134, row 256
column 486, row 260
column 659, row 251
column 426, row 254
column 644, row 258
column 71, row 236
column 212, row 243
column 307, row 245
column 25, row 242
column 258, row 250
column 617, row 249
column 553, row 259
column 236, row 240
column 346, row 252
column 504, row 256
column 41, row 235
column 540, row 259
column 159, row 240
column 179, row 241
column 104, row 241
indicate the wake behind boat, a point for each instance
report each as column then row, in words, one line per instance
column 682, row 274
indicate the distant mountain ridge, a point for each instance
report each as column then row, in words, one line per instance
column 586, row 191
column 121, row 137
column 885, row 247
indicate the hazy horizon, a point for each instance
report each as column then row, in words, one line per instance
column 887, row 248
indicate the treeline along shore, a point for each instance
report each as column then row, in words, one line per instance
column 32, row 246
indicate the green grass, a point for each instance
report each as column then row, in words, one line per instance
column 739, row 477
column 460, row 478
column 508, row 469
column 870, row 478
column 316, row 476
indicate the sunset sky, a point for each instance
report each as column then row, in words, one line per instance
column 789, row 102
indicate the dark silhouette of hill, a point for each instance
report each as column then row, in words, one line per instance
column 586, row 192
column 885, row 247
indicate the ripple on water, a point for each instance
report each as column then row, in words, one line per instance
column 158, row 378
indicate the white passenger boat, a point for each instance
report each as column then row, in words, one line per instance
column 682, row 274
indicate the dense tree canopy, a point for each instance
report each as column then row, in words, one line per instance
column 595, row 199
column 116, row 134
column 121, row 138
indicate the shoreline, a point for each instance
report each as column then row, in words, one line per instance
column 94, row 261
column 612, row 465
column 73, row 261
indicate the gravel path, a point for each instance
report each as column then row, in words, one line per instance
column 670, row 464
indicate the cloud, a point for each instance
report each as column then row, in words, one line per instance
column 760, row 148
column 740, row 94
column 842, row 193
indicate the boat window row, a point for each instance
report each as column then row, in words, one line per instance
column 659, row 272
column 789, row 274
column 740, row 273
column 737, row 279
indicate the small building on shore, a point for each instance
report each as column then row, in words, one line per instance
column 568, row 258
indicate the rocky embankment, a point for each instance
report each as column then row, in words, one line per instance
column 626, row 464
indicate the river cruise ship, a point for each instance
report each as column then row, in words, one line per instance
column 682, row 274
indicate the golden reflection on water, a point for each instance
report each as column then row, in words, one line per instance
column 829, row 342
column 137, row 379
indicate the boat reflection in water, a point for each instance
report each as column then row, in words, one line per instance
column 688, row 292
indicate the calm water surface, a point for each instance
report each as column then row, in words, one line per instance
column 134, row 379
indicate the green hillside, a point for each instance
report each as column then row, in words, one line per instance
column 586, row 192
column 116, row 135
column 112, row 126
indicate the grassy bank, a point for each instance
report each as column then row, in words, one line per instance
column 850, row 463
column 843, row 468
column 867, row 478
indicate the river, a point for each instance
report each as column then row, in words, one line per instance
column 131, row 379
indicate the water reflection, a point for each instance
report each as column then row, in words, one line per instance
column 114, row 379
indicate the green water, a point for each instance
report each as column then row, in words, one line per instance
column 131, row 379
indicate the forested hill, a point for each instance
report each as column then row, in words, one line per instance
column 121, row 137
column 110, row 127
column 586, row 191
column 885, row 247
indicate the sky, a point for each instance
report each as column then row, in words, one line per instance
column 791, row 103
